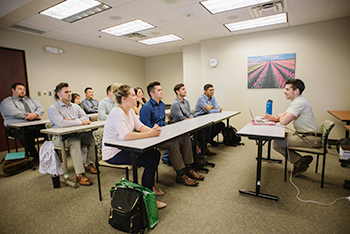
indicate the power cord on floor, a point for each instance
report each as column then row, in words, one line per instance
column 298, row 191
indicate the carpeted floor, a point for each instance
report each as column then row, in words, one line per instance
column 29, row 204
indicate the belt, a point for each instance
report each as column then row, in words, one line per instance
column 311, row 134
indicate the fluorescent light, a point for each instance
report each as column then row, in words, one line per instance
column 73, row 10
column 129, row 27
column 258, row 22
column 217, row 6
column 161, row 39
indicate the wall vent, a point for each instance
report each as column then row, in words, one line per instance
column 25, row 29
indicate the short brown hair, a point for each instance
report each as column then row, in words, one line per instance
column 150, row 87
column 296, row 84
column 178, row 87
column 207, row 86
column 59, row 87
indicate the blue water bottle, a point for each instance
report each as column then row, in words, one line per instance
column 269, row 107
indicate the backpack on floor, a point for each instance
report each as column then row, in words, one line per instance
column 12, row 167
column 128, row 213
column 230, row 137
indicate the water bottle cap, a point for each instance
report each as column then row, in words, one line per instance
column 269, row 100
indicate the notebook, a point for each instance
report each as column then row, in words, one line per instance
column 259, row 120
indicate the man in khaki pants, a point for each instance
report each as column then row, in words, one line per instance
column 63, row 113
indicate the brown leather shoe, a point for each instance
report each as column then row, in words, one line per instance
column 91, row 169
column 208, row 152
column 192, row 174
column 83, row 180
column 186, row 181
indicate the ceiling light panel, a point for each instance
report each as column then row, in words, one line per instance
column 129, row 27
column 217, row 6
column 161, row 39
column 257, row 23
column 73, row 10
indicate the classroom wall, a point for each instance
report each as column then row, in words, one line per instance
column 322, row 62
column 167, row 69
column 79, row 65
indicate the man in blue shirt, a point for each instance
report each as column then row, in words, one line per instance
column 180, row 148
column 206, row 104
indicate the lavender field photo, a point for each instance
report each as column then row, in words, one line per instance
column 270, row 71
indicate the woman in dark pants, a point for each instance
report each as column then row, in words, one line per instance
column 120, row 125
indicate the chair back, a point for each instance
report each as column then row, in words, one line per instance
column 98, row 135
column 325, row 129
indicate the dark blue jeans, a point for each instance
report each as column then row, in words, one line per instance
column 149, row 160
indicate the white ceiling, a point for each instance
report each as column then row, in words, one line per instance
column 169, row 16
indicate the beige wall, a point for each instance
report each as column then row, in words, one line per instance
column 167, row 69
column 80, row 66
column 322, row 62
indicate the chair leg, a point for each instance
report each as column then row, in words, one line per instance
column 16, row 144
column 127, row 174
column 98, row 174
column 323, row 169
column 316, row 168
column 7, row 142
column 285, row 165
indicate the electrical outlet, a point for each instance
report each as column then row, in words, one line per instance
column 39, row 94
column 44, row 93
column 50, row 93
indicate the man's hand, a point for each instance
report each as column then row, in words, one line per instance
column 220, row 109
column 32, row 116
column 155, row 131
column 86, row 122
column 209, row 107
column 270, row 117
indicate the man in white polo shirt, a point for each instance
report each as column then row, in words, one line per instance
column 306, row 127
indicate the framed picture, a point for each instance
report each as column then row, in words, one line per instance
column 270, row 71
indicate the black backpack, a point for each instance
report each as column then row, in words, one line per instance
column 230, row 137
column 128, row 212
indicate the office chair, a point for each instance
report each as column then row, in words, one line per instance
column 325, row 129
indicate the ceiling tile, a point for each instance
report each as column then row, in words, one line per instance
column 339, row 9
column 140, row 8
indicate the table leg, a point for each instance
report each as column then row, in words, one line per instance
column 134, row 167
column 268, row 158
column 346, row 132
column 65, row 178
column 258, row 177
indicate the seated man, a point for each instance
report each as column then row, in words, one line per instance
column 305, row 124
column 106, row 105
column 180, row 148
column 206, row 104
column 180, row 108
column 20, row 108
column 90, row 105
column 62, row 114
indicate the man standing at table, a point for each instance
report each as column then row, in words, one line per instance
column 106, row 105
column 62, row 114
column 90, row 105
column 305, row 124
column 206, row 104
column 180, row 148
column 20, row 108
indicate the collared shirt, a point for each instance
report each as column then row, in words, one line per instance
column 12, row 109
column 305, row 120
column 59, row 111
column 202, row 101
column 153, row 113
column 104, row 108
column 180, row 110
column 90, row 106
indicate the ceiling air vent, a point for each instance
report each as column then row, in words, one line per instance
column 27, row 30
column 266, row 9
column 134, row 35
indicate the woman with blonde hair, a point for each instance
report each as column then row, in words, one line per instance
column 120, row 125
